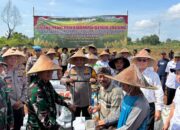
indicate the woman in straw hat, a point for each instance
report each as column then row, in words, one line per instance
column 42, row 97
column 119, row 63
column 135, row 108
column 155, row 97
column 16, row 82
column 79, row 78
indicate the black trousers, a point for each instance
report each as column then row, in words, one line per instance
column 170, row 95
column 84, row 111
column 64, row 68
column 18, row 118
column 150, row 124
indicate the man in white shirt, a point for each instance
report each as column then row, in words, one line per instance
column 170, row 82
column 155, row 97
column 173, row 120
column 103, row 60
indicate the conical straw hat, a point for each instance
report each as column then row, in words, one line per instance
column 51, row 51
column 43, row 63
column 92, row 45
column 124, row 50
column 78, row 54
column 133, row 77
column 92, row 57
column 143, row 54
column 104, row 53
column 12, row 52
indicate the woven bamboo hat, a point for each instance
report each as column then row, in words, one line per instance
column 44, row 63
column 78, row 54
column 177, row 54
column 125, row 50
column 104, row 53
column 12, row 52
column 133, row 77
column 92, row 46
column 143, row 54
column 51, row 51
column 92, row 57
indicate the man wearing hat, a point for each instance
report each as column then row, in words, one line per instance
column 26, row 53
column 42, row 98
column 31, row 60
column 79, row 78
column 155, row 97
column 6, row 113
column 92, row 49
column 126, row 53
column 17, row 83
column 58, row 73
column 173, row 120
column 162, row 63
column 109, row 100
column 103, row 60
column 64, row 59
column 170, row 82
column 134, row 107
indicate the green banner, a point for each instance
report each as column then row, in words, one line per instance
column 102, row 31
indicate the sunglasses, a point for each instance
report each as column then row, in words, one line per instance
column 142, row 60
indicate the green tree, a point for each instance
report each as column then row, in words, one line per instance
column 152, row 39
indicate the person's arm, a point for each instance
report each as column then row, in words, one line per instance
column 66, row 79
column 167, row 123
column 167, row 70
column 60, row 100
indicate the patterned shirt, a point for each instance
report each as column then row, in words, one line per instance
column 16, row 80
column 110, row 100
column 42, row 105
column 6, row 113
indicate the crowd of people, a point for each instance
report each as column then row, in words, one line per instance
column 119, row 90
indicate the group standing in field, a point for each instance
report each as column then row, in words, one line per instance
column 119, row 89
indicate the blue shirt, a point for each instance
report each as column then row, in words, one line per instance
column 162, row 63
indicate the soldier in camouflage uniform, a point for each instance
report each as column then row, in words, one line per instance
column 15, row 81
column 42, row 97
column 6, row 113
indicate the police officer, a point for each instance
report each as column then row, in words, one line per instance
column 17, row 83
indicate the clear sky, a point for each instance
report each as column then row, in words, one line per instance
column 144, row 15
